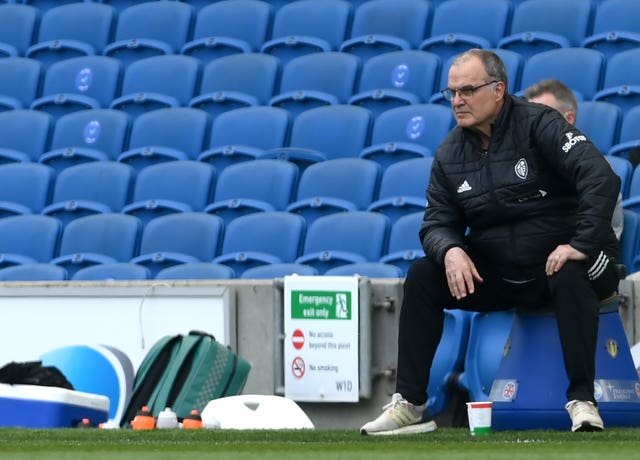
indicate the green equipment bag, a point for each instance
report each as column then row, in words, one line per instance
column 185, row 372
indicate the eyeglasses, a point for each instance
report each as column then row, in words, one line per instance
column 466, row 92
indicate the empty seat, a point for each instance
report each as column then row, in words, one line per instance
column 87, row 135
column 112, row 271
column 280, row 240
column 25, row 188
column 158, row 82
column 33, row 272
column 317, row 79
column 367, row 269
column 245, row 134
column 20, row 82
column 228, row 27
column 413, row 131
column 542, row 25
column 150, row 29
column 178, row 238
column 324, row 133
column 456, row 27
column 380, row 26
column 172, row 186
column 581, row 69
column 90, row 188
column 328, row 186
column 280, row 270
column 28, row 238
column 98, row 239
column 24, row 135
column 339, row 238
column 629, row 134
column 403, row 188
column 630, row 240
column 615, row 27
column 18, row 28
column 309, row 26
column 80, row 83
column 621, row 85
column 253, row 186
column 397, row 79
column 239, row 80
column 623, row 168
column 176, row 133
column 404, row 243
column 196, row 271
column 600, row 121
column 72, row 30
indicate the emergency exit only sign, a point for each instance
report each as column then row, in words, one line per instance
column 321, row 338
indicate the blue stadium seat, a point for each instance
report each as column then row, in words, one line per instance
column 245, row 134
column 328, row 187
column 615, row 27
column 308, row 26
column 366, row 269
column 20, row 82
column 600, row 121
column 621, row 84
column 90, row 188
column 196, row 271
column 253, row 186
column 456, row 27
column 86, row 135
column 629, row 133
column 112, row 271
column 403, row 188
column 171, row 186
column 150, row 29
column 229, row 27
column 73, row 30
column 158, row 82
column 316, row 80
column 337, row 239
column 45, row 5
column 280, row 270
column 542, row 25
column 28, row 238
column 24, row 134
column 33, row 272
column 280, row 240
column 25, row 188
column 18, row 28
column 176, row 133
column 380, row 26
column 235, row 81
column 414, row 131
column 623, row 168
column 581, row 69
column 488, row 336
column 179, row 238
column 324, row 133
column 630, row 240
column 98, row 239
column 396, row 79
column 404, row 242
column 632, row 203
column 79, row 83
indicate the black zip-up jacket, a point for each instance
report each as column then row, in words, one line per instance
column 540, row 183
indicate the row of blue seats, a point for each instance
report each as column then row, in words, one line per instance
column 260, row 238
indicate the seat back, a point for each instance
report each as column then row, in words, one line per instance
column 404, row 242
column 112, row 271
column 18, row 28
column 615, row 27
column 629, row 135
column 621, row 84
column 34, row 237
column 33, row 272
column 20, row 82
column 630, row 239
column 196, row 271
column 278, row 270
column 367, row 269
column 25, row 188
column 624, row 169
column 600, row 121
column 24, row 134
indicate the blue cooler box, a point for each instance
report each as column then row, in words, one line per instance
column 34, row 406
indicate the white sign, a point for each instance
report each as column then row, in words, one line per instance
column 321, row 338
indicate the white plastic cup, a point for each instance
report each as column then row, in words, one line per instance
column 479, row 417
column 167, row 419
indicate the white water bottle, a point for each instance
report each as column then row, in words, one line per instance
column 167, row 419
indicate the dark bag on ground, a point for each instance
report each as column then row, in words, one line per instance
column 185, row 372
column 33, row 373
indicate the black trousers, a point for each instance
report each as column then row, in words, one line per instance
column 426, row 295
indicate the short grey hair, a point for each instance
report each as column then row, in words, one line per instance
column 493, row 65
column 563, row 94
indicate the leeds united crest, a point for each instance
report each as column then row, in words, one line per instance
column 521, row 168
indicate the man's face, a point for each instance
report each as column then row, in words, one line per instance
column 480, row 109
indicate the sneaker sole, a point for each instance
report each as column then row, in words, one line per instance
column 587, row 427
column 410, row 429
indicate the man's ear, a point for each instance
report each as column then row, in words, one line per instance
column 499, row 89
column 570, row 116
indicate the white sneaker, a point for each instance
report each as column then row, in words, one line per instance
column 399, row 417
column 584, row 416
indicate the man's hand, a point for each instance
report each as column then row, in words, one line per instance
column 559, row 257
column 461, row 272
